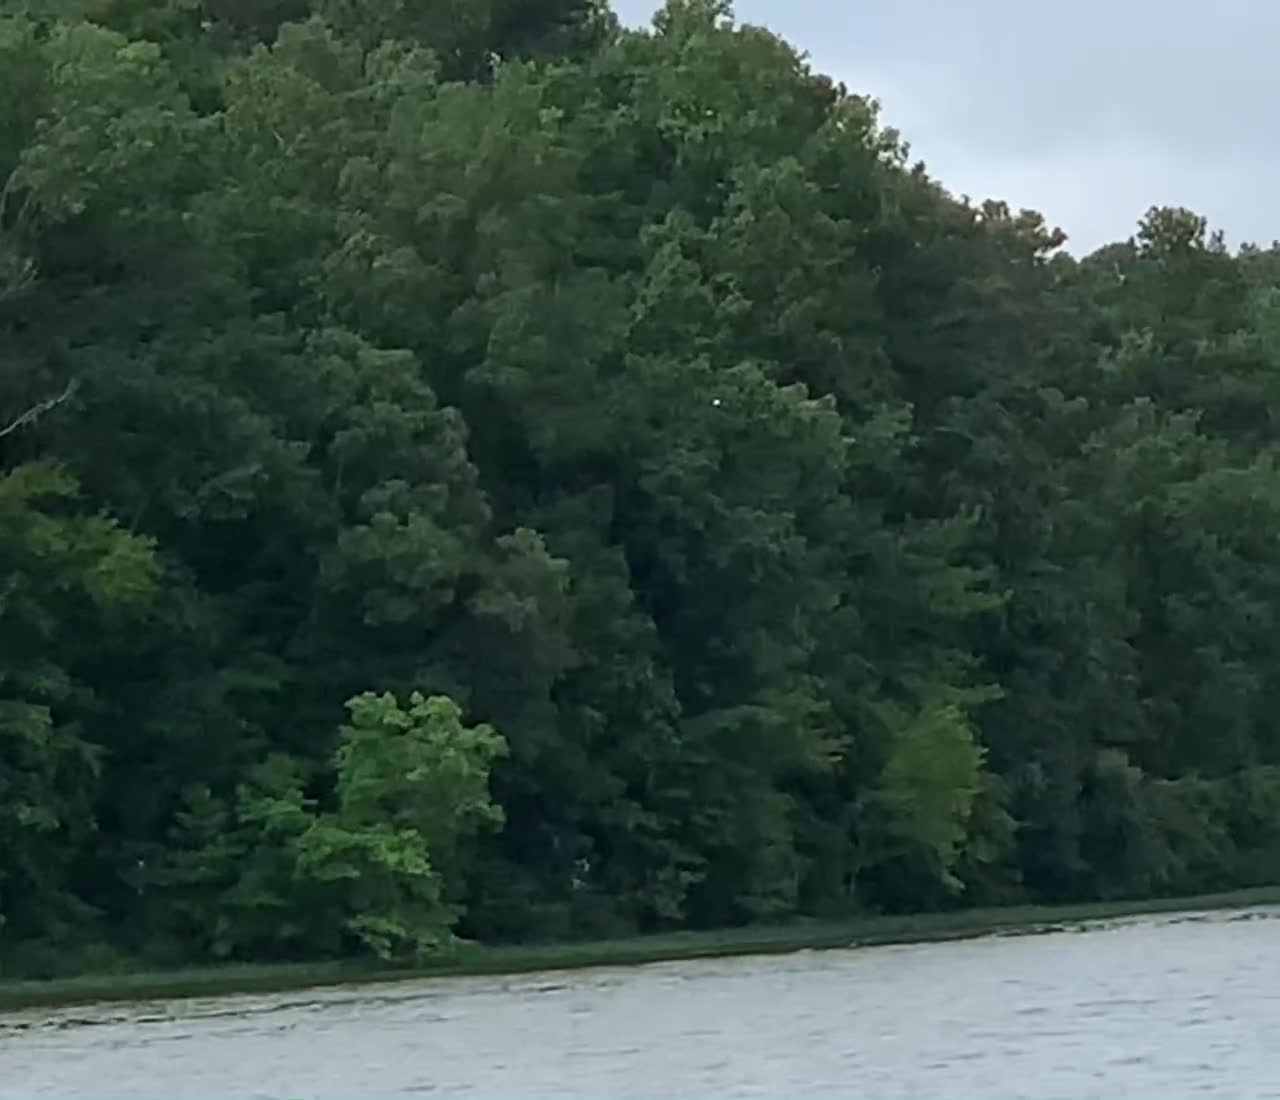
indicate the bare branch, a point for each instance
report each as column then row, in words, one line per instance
column 15, row 276
column 38, row 410
column 10, row 185
column 17, row 272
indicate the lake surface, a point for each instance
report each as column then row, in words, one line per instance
column 1159, row 1007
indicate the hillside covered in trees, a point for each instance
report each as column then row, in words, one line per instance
column 468, row 468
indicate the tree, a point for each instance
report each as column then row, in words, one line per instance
column 60, row 563
column 412, row 784
column 274, row 871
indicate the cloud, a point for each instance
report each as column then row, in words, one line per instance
column 1089, row 112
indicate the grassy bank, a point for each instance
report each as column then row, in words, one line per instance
column 476, row 960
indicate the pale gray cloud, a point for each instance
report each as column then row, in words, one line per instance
column 1089, row 112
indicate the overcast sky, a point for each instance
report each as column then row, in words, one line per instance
column 1090, row 111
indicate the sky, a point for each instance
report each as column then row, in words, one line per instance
column 1090, row 112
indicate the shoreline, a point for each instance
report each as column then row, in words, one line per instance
column 473, row 960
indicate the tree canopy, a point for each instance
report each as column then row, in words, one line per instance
column 471, row 469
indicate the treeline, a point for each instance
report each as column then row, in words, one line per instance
column 472, row 468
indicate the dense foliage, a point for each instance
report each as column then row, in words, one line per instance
column 378, row 376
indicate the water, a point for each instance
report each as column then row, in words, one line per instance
column 1158, row 1007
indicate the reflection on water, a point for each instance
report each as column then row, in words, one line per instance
column 1160, row 1007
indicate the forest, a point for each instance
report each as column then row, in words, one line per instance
column 473, row 471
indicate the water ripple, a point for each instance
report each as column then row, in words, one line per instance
column 1180, row 1005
